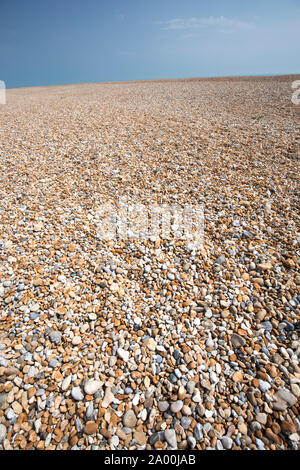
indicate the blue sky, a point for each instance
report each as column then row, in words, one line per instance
column 80, row 41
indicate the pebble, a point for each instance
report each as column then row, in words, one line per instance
column 176, row 406
column 261, row 418
column 108, row 398
column 157, row 436
column 3, row 433
column 115, row 441
column 55, row 336
column 237, row 341
column 149, row 341
column 198, row 434
column 283, row 400
column 92, row 386
column 124, row 355
column 191, row 442
column 260, row 444
column 163, row 406
column 220, row 260
column 129, row 419
column 170, row 437
column 140, row 437
column 76, row 340
column 66, row 383
column 77, row 393
column 185, row 422
column 295, row 390
column 227, row 442
column 90, row 427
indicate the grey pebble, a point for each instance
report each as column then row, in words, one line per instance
column 185, row 422
column 227, row 442
column 3, row 433
column 163, row 406
column 55, row 336
column 198, row 434
column 176, row 406
column 170, row 437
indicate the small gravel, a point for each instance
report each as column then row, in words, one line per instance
column 150, row 341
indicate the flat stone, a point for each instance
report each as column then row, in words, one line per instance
column 262, row 418
column 237, row 341
column 11, row 371
column 286, row 396
column 264, row 266
column 279, row 405
column 220, row 260
column 17, row 407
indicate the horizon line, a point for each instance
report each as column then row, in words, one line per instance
column 205, row 77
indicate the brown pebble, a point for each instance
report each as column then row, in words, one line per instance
column 90, row 427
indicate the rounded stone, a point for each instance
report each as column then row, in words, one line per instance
column 129, row 419
column 90, row 427
column 77, row 394
column 163, row 406
column 237, row 341
column 92, row 386
column 176, row 406
column 170, row 437
column 227, row 442
column 76, row 340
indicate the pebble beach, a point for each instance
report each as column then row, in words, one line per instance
column 150, row 342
